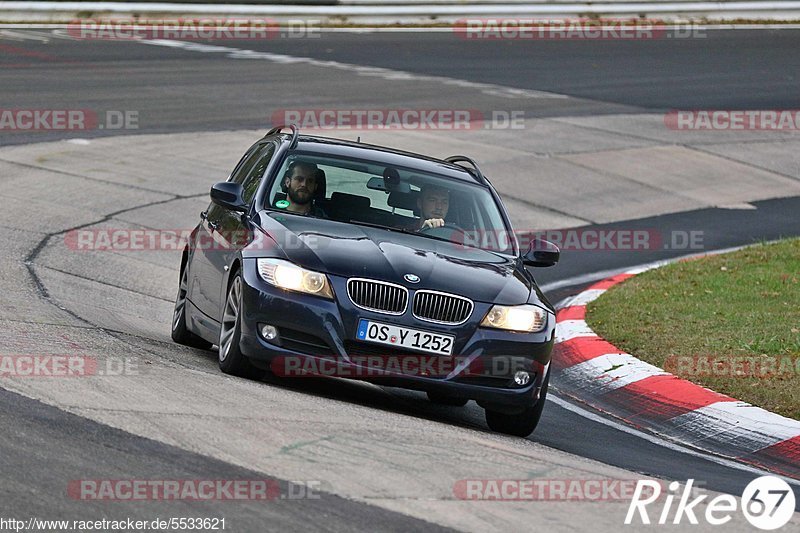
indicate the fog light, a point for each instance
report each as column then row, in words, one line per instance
column 269, row 332
column 522, row 378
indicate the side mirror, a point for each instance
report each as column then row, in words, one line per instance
column 229, row 195
column 542, row 253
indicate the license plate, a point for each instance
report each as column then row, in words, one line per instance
column 423, row 341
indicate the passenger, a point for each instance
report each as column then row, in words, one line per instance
column 300, row 182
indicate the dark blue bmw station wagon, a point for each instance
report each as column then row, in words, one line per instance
column 327, row 257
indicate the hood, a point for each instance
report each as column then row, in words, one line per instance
column 351, row 250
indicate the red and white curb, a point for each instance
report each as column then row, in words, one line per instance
column 596, row 372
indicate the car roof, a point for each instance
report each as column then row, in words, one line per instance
column 383, row 155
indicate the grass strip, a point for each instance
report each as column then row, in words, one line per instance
column 729, row 322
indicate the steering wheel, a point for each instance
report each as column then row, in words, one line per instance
column 446, row 232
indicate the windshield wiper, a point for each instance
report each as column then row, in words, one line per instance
column 381, row 226
column 406, row 231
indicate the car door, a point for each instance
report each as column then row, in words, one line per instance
column 233, row 228
column 210, row 240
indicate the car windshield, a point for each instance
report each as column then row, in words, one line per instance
column 394, row 198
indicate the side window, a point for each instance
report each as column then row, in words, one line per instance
column 246, row 164
column 256, row 172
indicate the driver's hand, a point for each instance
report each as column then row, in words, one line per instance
column 433, row 223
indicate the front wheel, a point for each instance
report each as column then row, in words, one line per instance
column 519, row 424
column 180, row 333
column 231, row 359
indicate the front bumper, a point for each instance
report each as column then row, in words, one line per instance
column 317, row 337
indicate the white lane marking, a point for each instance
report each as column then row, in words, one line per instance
column 644, row 268
column 376, row 72
column 8, row 35
column 570, row 329
column 586, row 297
column 740, row 206
column 61, row 33
column 730, row 463
column 609, row 372
column 583, row 279
column 738, row 424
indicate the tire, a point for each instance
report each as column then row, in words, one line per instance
column 441, row 399
column 519, row 424
column 180, row 333
column 231, row 359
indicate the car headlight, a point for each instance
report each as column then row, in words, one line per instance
column 527, row 318
column 291, row 277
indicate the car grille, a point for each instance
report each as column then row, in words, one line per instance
column 441, row 307
column 378, row 296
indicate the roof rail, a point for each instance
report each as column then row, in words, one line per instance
column 293, row 127
column 455, row 159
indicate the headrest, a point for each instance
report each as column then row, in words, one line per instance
column 319, row 194
column 350, row 201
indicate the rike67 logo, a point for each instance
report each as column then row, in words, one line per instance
column 767, row 503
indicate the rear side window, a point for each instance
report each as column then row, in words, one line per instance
column 246, row 164
column 256, row 173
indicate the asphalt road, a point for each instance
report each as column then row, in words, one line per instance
column 42, row 446
column 179, row 90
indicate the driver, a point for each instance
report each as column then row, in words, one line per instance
column 433, row 203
